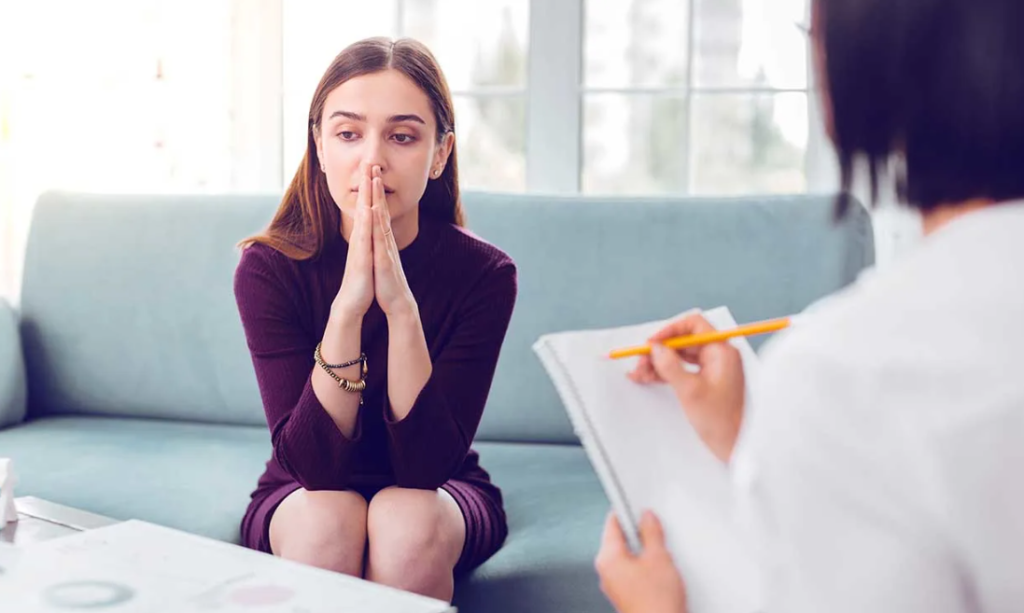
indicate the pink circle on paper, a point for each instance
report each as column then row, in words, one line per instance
column 260, row 595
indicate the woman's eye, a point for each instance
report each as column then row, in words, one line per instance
column 347, row 135
column 404, row 139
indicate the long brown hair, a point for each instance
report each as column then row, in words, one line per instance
column 308, row 217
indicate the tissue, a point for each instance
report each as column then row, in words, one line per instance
column 8, row 513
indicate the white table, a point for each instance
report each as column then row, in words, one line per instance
column 42, row 520
column 100, row 564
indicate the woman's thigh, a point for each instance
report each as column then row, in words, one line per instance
column 485, row 520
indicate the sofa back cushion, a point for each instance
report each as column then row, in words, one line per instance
column 603, row 262
column 128, row 308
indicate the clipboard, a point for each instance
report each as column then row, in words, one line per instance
column 647, row 456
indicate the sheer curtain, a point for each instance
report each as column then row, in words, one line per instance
column 665, row 96
column 110, row 96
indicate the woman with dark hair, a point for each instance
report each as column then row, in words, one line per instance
column 375, row 321
column 880, row 457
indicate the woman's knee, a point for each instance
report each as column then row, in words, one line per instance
column 326, row 529
column 413, row 534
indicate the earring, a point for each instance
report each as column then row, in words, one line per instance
column 437, row 173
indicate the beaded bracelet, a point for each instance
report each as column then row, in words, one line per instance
column 345, row 384
column 360, row 359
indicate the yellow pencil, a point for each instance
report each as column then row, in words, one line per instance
column 693, row 340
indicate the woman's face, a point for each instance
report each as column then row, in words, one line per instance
column 380, row 119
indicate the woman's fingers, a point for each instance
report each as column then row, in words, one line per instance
column 613, row 540
column 365, row 194
column 380, row 198
column 652, row 534
column 693, row 323
column 380, row 221
column 380, row 203
column 644, row 371
column 378, row 187
column 362, row 240
column 382, row 217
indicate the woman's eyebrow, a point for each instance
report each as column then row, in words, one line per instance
column 408, row 117
column 393, row 119
column 348, row 114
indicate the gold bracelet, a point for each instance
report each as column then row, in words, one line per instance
column 345, row 384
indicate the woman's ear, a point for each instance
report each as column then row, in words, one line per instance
column 444, row 149
column 319, row 150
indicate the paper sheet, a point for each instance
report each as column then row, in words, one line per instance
column 8, row 513
column 649, row 457
column 9, row 555
column 143, row 568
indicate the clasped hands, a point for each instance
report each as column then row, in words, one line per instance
column 373, row 268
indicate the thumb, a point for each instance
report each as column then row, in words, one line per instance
column 669, row 365
column 613, row 541
column 652, row 534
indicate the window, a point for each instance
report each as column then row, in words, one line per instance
column 598, row 96
column 93, row 103
column 694, row 96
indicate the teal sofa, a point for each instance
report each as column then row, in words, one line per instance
column 126, row 387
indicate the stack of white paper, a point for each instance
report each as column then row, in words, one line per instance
column 138, row 567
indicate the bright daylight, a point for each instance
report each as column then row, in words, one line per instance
column 506, row 306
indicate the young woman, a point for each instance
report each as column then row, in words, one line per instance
column 881, row 455
column 375, row 322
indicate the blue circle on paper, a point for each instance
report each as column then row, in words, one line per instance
column 88, row 594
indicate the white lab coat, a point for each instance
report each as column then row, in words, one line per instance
column 881, row 462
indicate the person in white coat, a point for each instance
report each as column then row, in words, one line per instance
column 880, row 458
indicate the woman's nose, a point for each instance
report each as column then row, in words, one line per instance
column 373, row 155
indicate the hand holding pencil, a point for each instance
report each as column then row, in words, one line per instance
column 686, row 341
column 713, row 398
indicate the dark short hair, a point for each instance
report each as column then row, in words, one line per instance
column 939, row 83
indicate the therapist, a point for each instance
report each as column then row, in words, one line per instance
column 881, row 460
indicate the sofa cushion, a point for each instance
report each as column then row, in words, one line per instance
column 556, row 511
column 128, row 309
column 197, row 477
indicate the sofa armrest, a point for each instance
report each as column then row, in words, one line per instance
column 13, row 385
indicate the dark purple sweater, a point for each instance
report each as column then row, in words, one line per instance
column 465, row 289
